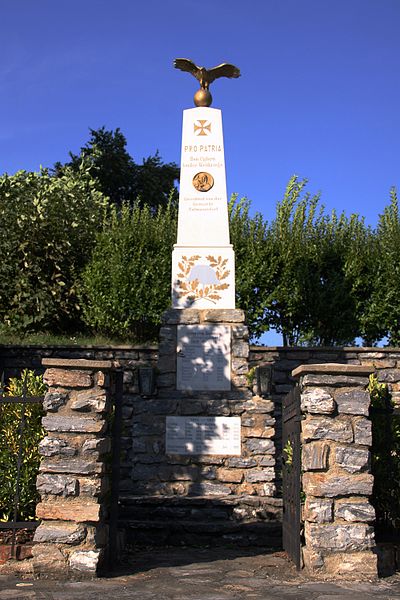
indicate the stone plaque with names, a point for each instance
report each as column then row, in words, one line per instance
column 203, row 435
column 203, row 357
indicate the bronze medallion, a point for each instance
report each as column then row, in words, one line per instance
column 203, row 182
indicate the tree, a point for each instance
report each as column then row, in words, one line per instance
column 301, row 274
column 119, row 177
column 126, row 285
column 381, row 315
column 251, row 241
column 48, row 226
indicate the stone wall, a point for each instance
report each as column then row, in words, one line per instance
column 249, row 481
column 187, row 492
column 74, row 477
column 385, row 361
column 337, row 481
column 13, row 358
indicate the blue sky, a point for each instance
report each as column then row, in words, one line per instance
column 318, row 97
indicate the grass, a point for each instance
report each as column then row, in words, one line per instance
column 78, row 339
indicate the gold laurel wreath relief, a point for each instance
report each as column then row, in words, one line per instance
column 194, row 290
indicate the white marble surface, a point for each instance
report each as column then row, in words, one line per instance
column 203, row 435
column 203, row 277
column 203, row 357
column 203, row 215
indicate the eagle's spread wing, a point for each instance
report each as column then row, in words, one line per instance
column 184, row 64
column 224, row 70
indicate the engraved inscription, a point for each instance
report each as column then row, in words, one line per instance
column 203, row 435
column 203, row 357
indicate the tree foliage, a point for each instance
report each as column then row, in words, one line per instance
column 381, row 314
column 11, row 437
column 126, row 286
column 73, row 260
column 306, row 274
column 119, row 177
column 46, row 233
column 385, row 457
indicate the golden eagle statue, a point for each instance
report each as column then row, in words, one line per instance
column 205, row 76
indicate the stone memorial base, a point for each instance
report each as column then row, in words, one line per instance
column 203, row 459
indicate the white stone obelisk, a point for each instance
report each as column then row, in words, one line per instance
column 203, row 261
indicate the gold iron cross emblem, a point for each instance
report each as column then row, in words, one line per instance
column 202, row 128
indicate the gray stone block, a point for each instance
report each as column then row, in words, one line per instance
column 87, row 400
column 50, row 446
column 267, row 461
column 339, row 538
column 240, row 366
column 389, row 375
column 73, row 424
column 325, row 428
column 53, row 401
column 317, row 401
column 316, row 380
column 362, row 431
column 315, row 456
column 331, row 484
column 60, row 533
column 352, row 401
column 352, row 459
column 260, row 475
column 56, row 485
column 85, row 561
column 259, row 446
column 187, row 316
column 209, row 489
column 224, row 315
column 241, row 463
column 354, row 509
column 318, row 510
column 240, row 331
column 258, row 405
column 72, row 465
column 48, row 561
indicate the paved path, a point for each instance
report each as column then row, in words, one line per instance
column 189, row 574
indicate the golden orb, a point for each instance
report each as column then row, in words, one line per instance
column 202, row 98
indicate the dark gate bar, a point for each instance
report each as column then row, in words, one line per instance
column 291, row 475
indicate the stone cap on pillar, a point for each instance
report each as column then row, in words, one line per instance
column 333, row 369
column 78, row 363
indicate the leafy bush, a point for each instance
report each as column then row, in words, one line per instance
column 126, row 285
column 10, row 434
column 385, row 456
column 48, row 226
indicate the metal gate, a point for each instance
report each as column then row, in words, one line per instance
column 291, row 475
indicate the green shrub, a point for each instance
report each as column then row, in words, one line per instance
column 126, row 285
column 385, row 453
column 10, row 432
column 48, row 226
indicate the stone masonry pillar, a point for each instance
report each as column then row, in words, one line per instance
column 337, row 479
column 74, row 473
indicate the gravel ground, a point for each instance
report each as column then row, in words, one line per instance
column 197, row 574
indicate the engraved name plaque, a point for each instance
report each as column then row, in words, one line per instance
column 203, row 357
column 203, row 435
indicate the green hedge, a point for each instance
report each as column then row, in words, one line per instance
column 48, row 226
column 10, row 433
column 126, row 285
